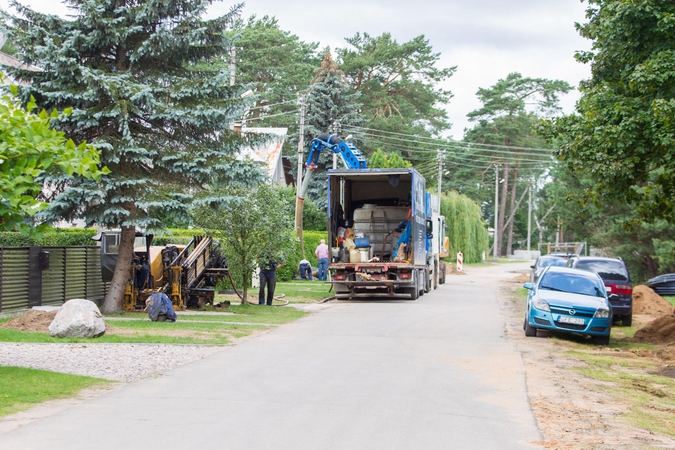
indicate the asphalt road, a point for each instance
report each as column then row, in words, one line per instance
column 436, row 373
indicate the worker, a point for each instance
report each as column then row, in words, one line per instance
column 304, row 270
column 405, row 228
column 268, row 276
column 321, row 253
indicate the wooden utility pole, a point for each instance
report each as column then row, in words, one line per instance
column 299, row 202
column 496, row 233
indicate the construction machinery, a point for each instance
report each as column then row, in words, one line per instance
column 187, row 274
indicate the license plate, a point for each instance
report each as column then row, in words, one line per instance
column 574, row 320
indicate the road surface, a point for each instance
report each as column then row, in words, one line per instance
column 436, row 373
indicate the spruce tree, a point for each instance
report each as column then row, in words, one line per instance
column 140, row 78
column 330, row 101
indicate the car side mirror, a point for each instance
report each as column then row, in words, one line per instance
column 532, row 267
column 528, row 286
column 614, row 298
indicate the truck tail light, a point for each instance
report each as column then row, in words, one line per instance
column 340, row 276
column 405, row 275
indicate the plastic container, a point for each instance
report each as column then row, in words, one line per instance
column 364, row 253
column 354, row 256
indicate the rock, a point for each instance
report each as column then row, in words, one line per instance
column 78, row 318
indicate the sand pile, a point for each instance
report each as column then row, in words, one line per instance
column 648, row 302
column 660, row 331
column 33, row 320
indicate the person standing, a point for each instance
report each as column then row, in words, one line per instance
column 321, row 253
column 268, row 276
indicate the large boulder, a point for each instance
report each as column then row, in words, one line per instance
column 78, row 318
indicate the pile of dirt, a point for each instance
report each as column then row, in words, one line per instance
column 660, row 331
column 648, row 302
column 33, row 320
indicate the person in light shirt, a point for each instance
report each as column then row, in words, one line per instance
column 321, row 253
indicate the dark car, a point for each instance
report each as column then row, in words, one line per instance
column 615, row 275
column 543, row 262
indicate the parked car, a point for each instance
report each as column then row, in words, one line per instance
column 615, row 275
column 571, row 301
column 544, row 261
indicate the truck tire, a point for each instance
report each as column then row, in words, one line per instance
column 414, row 293
column 441, row 273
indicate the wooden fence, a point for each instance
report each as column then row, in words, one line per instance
column 37, row 276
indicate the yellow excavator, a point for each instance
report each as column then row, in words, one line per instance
column 187, row 274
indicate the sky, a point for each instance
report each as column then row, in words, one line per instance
column 485, row 39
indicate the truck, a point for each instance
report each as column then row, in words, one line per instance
column 374, row 203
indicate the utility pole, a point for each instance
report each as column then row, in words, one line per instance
column 529, row 216
column 441, row 155
column 496, row 234
column 299, row 201
column 335, row 133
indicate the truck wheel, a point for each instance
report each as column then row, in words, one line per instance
column 414, row 293
column 627, row 321
column 441, row 273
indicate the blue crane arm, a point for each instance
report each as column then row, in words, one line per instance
column 351, row 156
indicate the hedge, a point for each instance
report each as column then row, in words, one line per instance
column 58, row 237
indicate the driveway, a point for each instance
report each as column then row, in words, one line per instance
column 436, row 373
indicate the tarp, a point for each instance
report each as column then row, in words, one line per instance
column 161, row 305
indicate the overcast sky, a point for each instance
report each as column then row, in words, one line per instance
column 485, row 39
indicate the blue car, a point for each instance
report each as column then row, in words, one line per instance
column 571, row 301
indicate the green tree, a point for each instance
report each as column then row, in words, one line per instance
column 29, row 148
column 330, row 100
column 466, row 228
column 623, row 132
column 248, row 221
column 504, row 119
column 382, row 160
column 142, row 79
column 398, row 83
column 277, row 64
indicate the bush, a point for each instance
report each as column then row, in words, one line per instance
column 58, row 237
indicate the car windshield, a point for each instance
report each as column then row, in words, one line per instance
column 552, row 262
column 608, row 270
column 571, row 283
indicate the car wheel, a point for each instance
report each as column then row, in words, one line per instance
column 529, row 331
column 603, row 340
column 627, row 321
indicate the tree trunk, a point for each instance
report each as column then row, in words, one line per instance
column 244, row 287
column 118, row 285
column 502, row 210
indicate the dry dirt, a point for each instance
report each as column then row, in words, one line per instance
column 572, row 411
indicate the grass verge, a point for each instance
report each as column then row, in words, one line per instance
column 22, row 388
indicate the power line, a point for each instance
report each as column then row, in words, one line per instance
column 287, row 113
column 274, row 104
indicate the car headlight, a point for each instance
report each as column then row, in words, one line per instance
column 541, row 304
column 601, row 314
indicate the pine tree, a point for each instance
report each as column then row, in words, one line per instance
column 330, row 100
column 140, row 79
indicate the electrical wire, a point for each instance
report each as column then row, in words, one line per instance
column 273, row 104
column 287, row 113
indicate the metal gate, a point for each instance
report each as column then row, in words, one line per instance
column 35, row 276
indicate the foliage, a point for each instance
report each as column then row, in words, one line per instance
column 313, row 218
column 29, row 148
column 146, row 88
column 382, row 160
column 249, row 222
column 277, row 65
column 330, row 101
column 59, row 237
column 623, row 133
column 466, row 228
column 503, row 132
column 398, row 83
column 23, row 388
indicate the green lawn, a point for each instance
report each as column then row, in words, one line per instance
column 22, row 389
column 671, row 300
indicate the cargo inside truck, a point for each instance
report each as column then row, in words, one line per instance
column 373, row 203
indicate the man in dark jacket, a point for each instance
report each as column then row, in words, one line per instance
column 268, row 276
